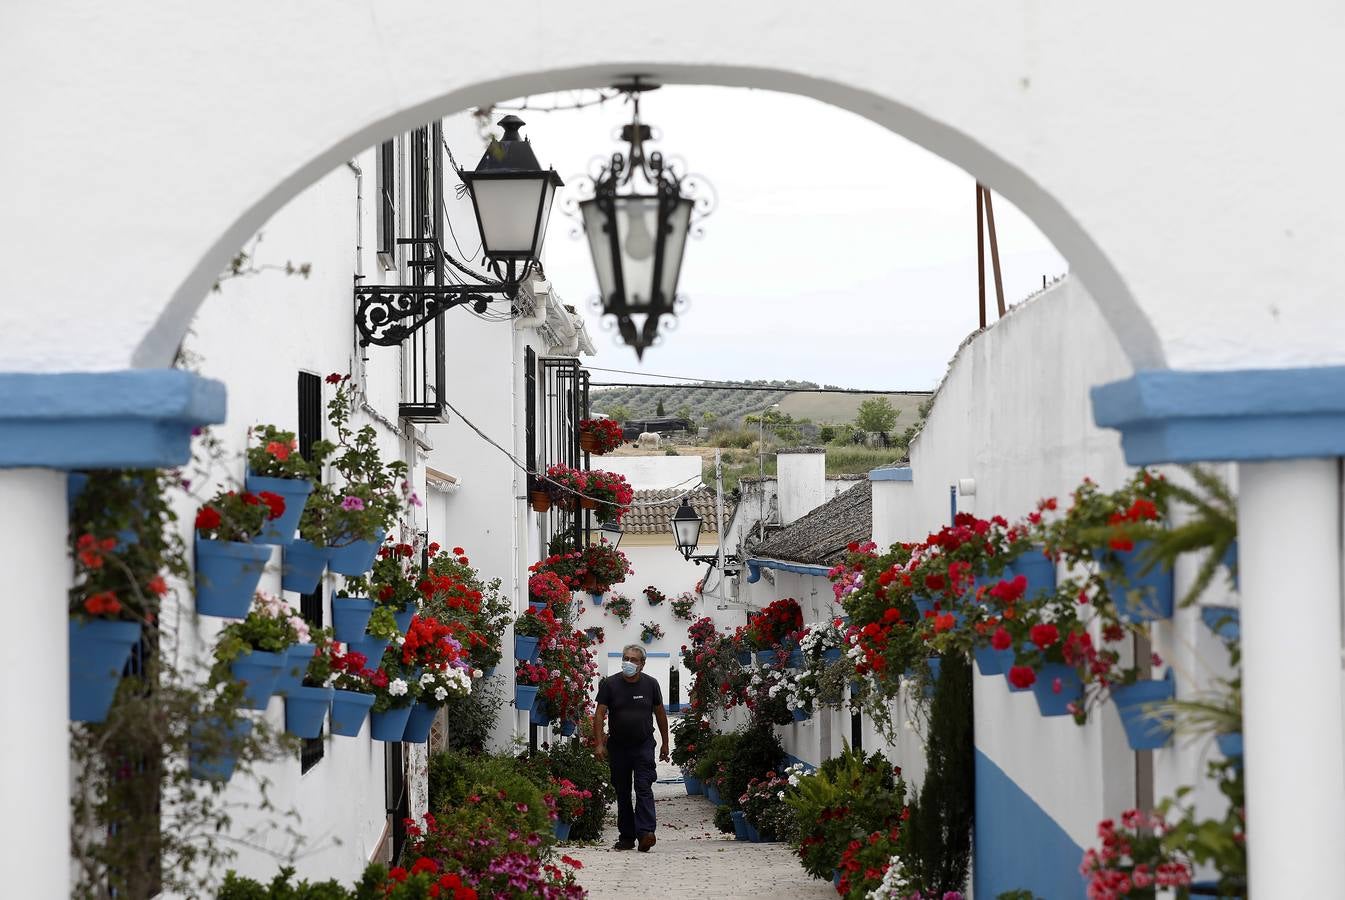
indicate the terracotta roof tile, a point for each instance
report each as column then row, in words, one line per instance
column 656, row 518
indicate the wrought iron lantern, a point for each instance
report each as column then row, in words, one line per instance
column 686, row 526
column 511, row 196
column 637, row 222
column 610, row 533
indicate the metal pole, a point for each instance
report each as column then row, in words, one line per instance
column 980, row 251
column 719, row 520
column 994, row 254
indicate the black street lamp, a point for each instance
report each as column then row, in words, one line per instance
column 686, row 526
column 637, row 233
column 511, row 196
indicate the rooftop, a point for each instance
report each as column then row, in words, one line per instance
column 821, row 537
column 648, row 516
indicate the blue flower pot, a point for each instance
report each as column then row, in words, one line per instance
column 295, row 491
column 752, row 834
column 227, row 573
column 538, row 605
column 303, row 567
column 561, row 829
column 525, row 648
column 349, row 710
column 355, row 558
column 538, row 714
column 712, row 794
column 1230, row 745
column 99, row 650
column 1012, row 688
column 766, row 657
column 205, row 765
column 1038, row 569
column 1224, row 621
column 796, row 659
column 487, row 673
column 305, row 708
column 923, row 605
column 258, row 671
column 744, row 657
column 292, row 672
column 419, row 723
column 403, row 618
column 1230, row 562
column 993, row 662
column 739, row 825
column 1145, row 597
column 567, row 728
column 1049, row 701
column 350, row 616
column 389, row 725
column 980, row 581
column 836, row 878
column 372, row 648
column 831, row 654
column 692, row 784
column 596, row 598
column 801, row 715
column 1144, row 730
column 524, row 696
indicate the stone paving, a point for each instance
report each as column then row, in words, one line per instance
column 692, row 859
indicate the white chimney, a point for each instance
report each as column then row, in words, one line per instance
column 802, row 481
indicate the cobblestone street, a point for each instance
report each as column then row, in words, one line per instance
column 693, row 859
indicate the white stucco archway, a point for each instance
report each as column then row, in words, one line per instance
column 158, row 139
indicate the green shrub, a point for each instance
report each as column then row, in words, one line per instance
column 724, row 818
column 471, row 718
column 575, row 760
column 714, row 761
column 848, row 798
column 757, row 752
column 236, row 888
column 498, row 782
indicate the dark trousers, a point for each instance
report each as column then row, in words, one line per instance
column 633, row 763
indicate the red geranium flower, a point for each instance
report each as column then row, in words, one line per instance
column 1001, row 640
column 1044, row 635
column 207, row 518
column 275, row 504
column 1022, row 677
column 334, row 378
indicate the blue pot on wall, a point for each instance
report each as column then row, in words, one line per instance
column 1145, row 597
column 357, row 557
column 227, row 573
column 350, row 616
column 538, row 714
column 1230, row 745
column 993, row 662
column 536, row 605
column 258, row 671
column 389, row 726
column 305, row 708
column 372, row 648
column 561, row 829
column 801, row 715
column 568, row 728
column 1224, row 621
column 292, row 672
column 403, row 618
column 524, row 696
column 1037, row 568
column 646, row 640
column 796, row 659
column 99, row 650
column 596, row 598
column 744, row 657
column 831, row 654
column 766, row 657
column 692, row 784
column 525, row 648
column 349, row 710
column 216, row 764
column 295, row 491
column 419, row 723
column 1051, row 702
column 303, row 565
column 923, row 605
column 1135, row 702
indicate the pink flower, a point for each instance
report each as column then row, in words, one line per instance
column 352, row 502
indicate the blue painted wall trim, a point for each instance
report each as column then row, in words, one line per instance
column 141, row 418
column 1018, row 846
column 892, row 473
column 755, row 565
column 1247, row 414
column 616, row 654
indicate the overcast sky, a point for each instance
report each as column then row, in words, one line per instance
column 839, row 253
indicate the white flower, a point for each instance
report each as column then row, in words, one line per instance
column 477, row 673
column 397, row 688
column 780, row 796
column 427, row 679
column 400, row 639
column 440, row 694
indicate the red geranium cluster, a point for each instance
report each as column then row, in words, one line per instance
column 430, row 643
column 231, row 516
column 549, row 588
column 1132, row 859
column 424, row 876
column 773, row 623
column 1141, row 510
column 564, row 566
column 604, row 435
column 613, row 493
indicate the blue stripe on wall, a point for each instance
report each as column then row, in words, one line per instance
column 616, row 654
column 1018, row 846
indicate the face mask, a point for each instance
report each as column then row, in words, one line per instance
column 629, row 668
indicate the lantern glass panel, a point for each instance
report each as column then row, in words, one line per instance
column 507, row 210
column 600, row 244
column 679, row 224
column 687, row 532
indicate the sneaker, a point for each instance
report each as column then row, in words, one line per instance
column 647, row 840
column 623, row 844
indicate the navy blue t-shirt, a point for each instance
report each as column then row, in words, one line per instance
column 630, row 708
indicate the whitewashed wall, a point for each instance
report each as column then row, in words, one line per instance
column 653, row 472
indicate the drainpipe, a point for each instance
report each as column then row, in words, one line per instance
column 540, row 294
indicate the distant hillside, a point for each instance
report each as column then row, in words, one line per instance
column 728, row 405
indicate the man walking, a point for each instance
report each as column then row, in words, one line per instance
column 635, row 700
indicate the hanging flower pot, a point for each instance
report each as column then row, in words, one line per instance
column 258, row 671
column 561, row 829
column 524, row 696
column 349, row 710
column 589, row 582
column 589, row 443
column 539, row 714
column 923, row 605
column 1146, row 729
column 1038, row 569
column 419, row 723
column 372, row 648
column 1056, row 688
column 1224, row 621
column 295, row 491
column 801, row 714
column 525, row 648
column 540, row 501
column 567, row 728
column 99, row 649
column 350, row 616
column 389, row 726
column 1143, row 598
column 831, row 654
column 227, row 573
column 207, row 763
column 1009, row 679
column 1230, row 745
column 355, row 558
column 403, row 618
column 588, row 503
column 305, row 708
column 692, row 784
column 536, row 604
column 993, row 662
column 596, row 598
column 303, row 565
column 766, row 657
column 292, row 673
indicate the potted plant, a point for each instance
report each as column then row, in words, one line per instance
column 547, row 589
column 306, row 703
column 650, row 632
column 602, row 566
column 600, row 436
column 684, row 606
column 353, row 691
column 298, row 655
column 229, row 561
column 768, row 628
column 610, row 495
column 437, row 660
column 396, row 688
column 252, row 651
column 437, row 685
column 382, row 630
column 691, row 734
column 654, row 595
column 567, row 486
column 274, row 464
column 620, row 607
column 528, row 677
column 541, row 493
column 350, row 616
column 566, row 801
column 392, row 582
column 103, row 629
column 352, row 520
column 529, row 629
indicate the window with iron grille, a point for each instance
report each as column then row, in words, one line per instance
column 310, row 605
column 387, row 204
column 530, row 406
column 564, row 397
column 423, row 353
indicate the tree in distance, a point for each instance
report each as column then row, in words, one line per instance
column 875, row 414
